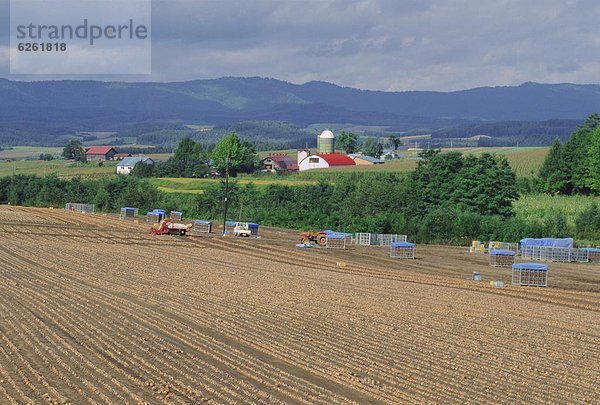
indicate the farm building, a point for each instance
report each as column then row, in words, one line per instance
column 121, row 156
column 364, row 160
column 326, row 142
column 324, row 161
column 127, row 164
column 276, row 162
column 100, row 153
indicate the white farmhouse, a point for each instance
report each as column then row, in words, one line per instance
column 126, row 165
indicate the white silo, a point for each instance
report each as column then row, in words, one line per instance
column 326, row 142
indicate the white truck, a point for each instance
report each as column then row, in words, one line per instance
column 242, row 229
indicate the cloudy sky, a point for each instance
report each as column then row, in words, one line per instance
column 370, row 44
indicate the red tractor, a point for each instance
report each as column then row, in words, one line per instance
column 320, row 238
column 166, row 227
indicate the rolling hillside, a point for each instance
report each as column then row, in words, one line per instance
column 51, row 108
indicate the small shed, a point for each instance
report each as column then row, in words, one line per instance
column 121, row 156
column 530, row 274
column 364, row 160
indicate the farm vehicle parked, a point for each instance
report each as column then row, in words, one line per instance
column 242, row 229
column 167, row 227
column 320, row 238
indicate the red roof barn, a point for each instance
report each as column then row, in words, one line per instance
column 100, row 153
column 324, row 161
column 279, row 161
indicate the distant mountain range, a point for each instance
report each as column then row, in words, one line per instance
column 55, row 107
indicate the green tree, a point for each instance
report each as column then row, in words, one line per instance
column 74, row 151
column 348, row 141
column 575, row 158
column 188, row 150
column 372, row 147
column 485, row 185
column 242, row 154
column 587, row 223
column 143, row 170
column 552, row 174
column 593, row 162
column 190, row 159
column 395, row 141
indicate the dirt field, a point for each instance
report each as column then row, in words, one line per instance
column 93, row 309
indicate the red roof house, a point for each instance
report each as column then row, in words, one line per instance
column 100, row 153
column 121, row 156
column 279, row 161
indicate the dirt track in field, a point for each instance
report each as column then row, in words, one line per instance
column 95, row 309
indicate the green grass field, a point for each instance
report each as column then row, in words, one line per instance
column 536, row 206
column 197, row 186
column 61, row 168
column 28, row 152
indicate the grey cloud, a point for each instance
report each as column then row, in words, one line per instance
column 377, row 44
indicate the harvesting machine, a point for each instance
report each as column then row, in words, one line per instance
column 167, row 227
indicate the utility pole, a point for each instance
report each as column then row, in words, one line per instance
column 225, row 200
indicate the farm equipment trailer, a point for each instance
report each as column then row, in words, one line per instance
column 167, row 227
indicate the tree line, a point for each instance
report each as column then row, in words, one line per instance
column 449, row 198
column 193, row 160
column 573, row 167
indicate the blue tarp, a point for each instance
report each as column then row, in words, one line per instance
column 335, row 236
column 502, row 252
column 592, row 250
column 530, row 266
column 177, row 212
column 549, row 242
column 402, row 244
column 159, row 211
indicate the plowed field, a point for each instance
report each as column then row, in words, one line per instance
column 93, row 309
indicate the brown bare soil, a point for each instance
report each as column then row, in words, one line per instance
column 93, row 309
